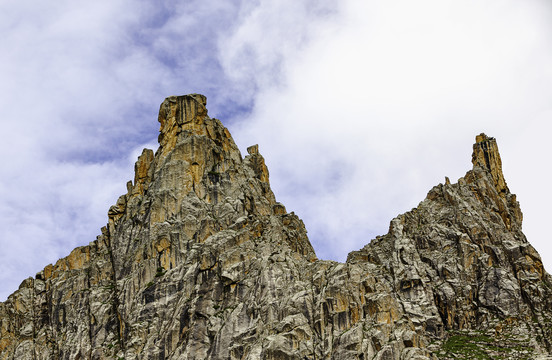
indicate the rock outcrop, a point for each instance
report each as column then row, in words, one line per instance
column 199, row 261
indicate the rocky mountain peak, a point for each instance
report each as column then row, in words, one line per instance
column 486, row 155
column 179, row 116
column 199, row 261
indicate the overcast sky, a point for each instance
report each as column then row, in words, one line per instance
column 359, row 107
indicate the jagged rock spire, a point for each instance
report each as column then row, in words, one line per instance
column 178, row 114
column 486, row 155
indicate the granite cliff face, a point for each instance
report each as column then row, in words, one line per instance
column 199, row 261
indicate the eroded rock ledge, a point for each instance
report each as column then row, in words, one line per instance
column 199, row 261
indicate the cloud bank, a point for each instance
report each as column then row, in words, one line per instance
column 359, row 107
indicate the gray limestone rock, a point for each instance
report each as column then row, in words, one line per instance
column 199, row 261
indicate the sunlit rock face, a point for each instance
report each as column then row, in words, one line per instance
column 199, row 261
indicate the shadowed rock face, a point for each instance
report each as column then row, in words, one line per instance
column 199, row 261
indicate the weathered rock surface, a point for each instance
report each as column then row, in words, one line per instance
column 199, row 261
column 462, row 269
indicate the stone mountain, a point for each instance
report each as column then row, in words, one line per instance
column 199, row 261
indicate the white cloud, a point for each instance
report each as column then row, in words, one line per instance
column 270, row 33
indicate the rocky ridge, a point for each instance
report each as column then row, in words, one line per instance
column 199, row 261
